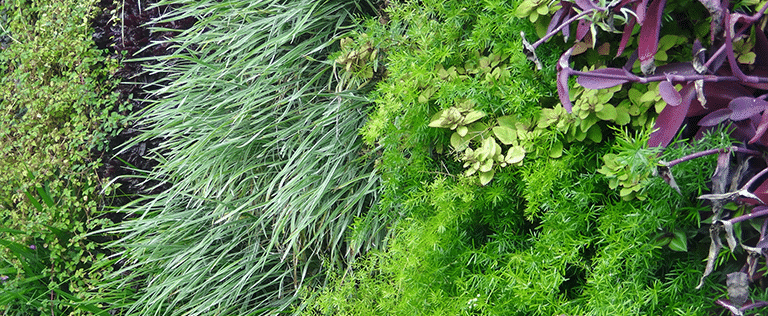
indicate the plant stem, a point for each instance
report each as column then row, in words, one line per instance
column 713, row 151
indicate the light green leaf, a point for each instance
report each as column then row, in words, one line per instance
column 473, row 116
column 515, row 155
column 459, row 143
column 506, row 135
column 556, row 151
column 608, row 113
column 507, row 121
column 439, row 120
column 622, row 116
column 486, row 177
column 462, row 130
column 595, row 134
column 486, row 165
column 525, row 8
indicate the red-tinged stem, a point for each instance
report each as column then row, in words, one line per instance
column 562, row 25
column 713, row 151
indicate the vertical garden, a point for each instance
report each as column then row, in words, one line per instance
column 451, row 157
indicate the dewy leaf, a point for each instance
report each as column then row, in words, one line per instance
column 594, row 82
column 506, row 135
column 669, row 94
column 746, row 107
column 648, row 41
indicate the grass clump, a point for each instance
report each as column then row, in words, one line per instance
column 57, row 112
column 267, row 171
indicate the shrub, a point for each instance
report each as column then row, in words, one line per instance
column 55, row 92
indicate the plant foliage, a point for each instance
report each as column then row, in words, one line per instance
column 266, row 168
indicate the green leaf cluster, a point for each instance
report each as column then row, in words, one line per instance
column 58, row 110
column 358, row 61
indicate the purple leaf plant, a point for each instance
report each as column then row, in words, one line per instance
column 716, row 90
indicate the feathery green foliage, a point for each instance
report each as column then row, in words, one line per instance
column 266, row 168
column 548, row 237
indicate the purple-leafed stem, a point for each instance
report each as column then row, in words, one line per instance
column 648, row 42
column 713, row 151
column 763, row 211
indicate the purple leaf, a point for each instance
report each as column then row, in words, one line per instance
column 746, row 107
column 715, row 117
column 685, row 68
column 563, row 72
column 761, row 49
column 586, row 5
column 582, row 29
column 717, row 12
column 670, row 119
column 591, row 82
column 718, row 61
column 718, row 94
column 648, row 42
column 561, row 15
column 669, row 94
column 761, row 192
column 626, row 35
column 761, row 128
column 641, row 8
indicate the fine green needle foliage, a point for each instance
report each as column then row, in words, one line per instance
column 265, row 164
column 546, row 235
